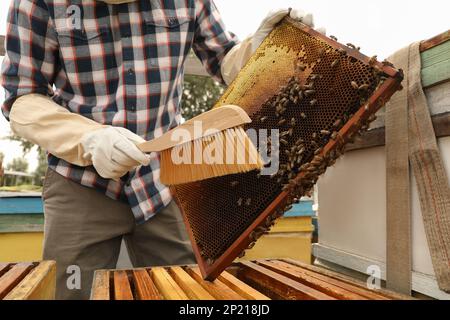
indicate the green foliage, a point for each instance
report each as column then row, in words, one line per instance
column 18, row 164
column 39, row 173
column 199, row 95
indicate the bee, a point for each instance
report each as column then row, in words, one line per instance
column 234, row 183
column 355, row 85
column 303, row 115
column 334, row 135
column 251, row 245
column 248, row 202
column 209, row 261
column 241, row 255
column 351, row 45
column 334, row 63
column 239, row 203
column 309, row 93
column 342, row 51
column 313, row 102
column 364, row 87
column 318, row 151
column 281, row 122
column 334, row 38
column 387, row 63
column 372, row 118
column 293, row 122
column 284, row 142
column 291, row 132
column 314, row 135
column 325, row 132
column 337, row 123
column 263, row 119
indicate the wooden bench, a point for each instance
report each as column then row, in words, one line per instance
column 247, row 280
column 28, row 281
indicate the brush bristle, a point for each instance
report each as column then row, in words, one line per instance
column 227, row 152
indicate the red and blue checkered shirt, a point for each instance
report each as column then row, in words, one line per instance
column 120, row 65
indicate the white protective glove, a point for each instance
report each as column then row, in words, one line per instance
column 113, row 151
column 235, row 60
column 272, row 20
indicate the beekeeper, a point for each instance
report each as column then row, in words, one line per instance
column 87, row 81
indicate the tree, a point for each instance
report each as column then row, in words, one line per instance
column 39, row 173
column 199, row 95
column 18, row 164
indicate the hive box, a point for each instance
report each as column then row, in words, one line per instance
column 289, row 238
column 352, row 194
column 21, row 226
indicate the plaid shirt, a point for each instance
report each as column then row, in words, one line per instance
column 120, row 65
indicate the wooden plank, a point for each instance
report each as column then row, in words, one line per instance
column 216, row 288
column 122, row 289
column 11, row 278
column 191, row 287
column 435, row 41
column 166, row 285
column 15, row 223
column 39, row 284
column 376, row 137
column 349, row 280
column 329, row 286
column 144, row 286
column 100, row 287
column 3, row 268
column 279, row 286
column 240, row 287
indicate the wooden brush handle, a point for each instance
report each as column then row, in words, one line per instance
column 218, row 119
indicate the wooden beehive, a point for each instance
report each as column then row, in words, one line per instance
column 28, row 281
column 283, row 279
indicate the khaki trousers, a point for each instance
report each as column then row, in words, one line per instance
column 84, row 230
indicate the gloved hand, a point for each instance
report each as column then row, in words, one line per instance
column 113, row 151
column 276, row 16
column 237, row 57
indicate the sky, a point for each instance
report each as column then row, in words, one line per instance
column 378, row 27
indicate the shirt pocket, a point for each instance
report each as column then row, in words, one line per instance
column 167, row 39
column 89, row 61
column 83, row 43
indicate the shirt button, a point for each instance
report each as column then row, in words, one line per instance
column 172, row 21
column 132, row 108
column 130, row 71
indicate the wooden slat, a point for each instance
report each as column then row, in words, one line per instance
column 240, row 287
column 166, row 285
column 39, row 284
column 324, row 285
column 435, row 41
column 144, row 286
column 378, row 293
column 100, row 287
column 11, row 278
column 279, row 285
column 122, row 289
column 191, row 287
column 376, row 137
column 3, row 268
column 216, row 288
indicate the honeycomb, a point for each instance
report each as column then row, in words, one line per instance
column 307, row 88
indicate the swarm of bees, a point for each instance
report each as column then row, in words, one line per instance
column 305, row 158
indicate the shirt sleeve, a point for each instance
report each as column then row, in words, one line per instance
column 211, row 40
column 31, row 51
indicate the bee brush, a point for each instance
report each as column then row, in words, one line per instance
column 210, row 145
